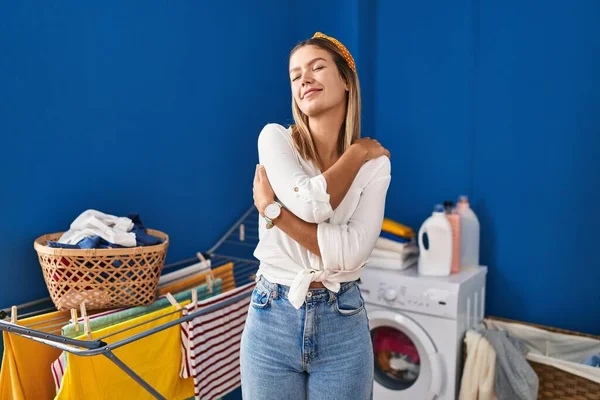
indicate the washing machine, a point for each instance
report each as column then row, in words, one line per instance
column 417, row 328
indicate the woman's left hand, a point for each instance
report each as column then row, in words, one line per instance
column 263, row 192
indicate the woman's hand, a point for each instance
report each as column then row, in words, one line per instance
column 371, row 148
column 263, row 192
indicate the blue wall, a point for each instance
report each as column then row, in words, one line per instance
column 151, row 107
column 155, row 108
column 500, row 102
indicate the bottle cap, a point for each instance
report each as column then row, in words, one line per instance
column 448, row 205
column 463, row 203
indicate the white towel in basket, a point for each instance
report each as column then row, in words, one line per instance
column 90, row 223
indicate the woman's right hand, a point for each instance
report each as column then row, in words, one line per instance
column 371, row 148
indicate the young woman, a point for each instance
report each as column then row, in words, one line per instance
column 320, row 190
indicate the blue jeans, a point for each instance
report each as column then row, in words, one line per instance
column 321, row 351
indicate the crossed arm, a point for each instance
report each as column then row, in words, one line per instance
column 309, row 202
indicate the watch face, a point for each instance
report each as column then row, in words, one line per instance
column 272, row 211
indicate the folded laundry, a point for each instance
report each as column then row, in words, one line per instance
column 593, row 361
column 388, row 263
column 95, row 230
column 395, row 255
column 395, row 238
column 397, row 228
column 387, row 244
column 95, row 223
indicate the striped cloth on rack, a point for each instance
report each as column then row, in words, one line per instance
column 58, row 368
column 211, row 344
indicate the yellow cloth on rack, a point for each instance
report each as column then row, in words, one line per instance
column 26, row 363
column 397, row 228
column 225, row 272
column 155, row 358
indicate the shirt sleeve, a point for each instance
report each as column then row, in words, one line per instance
column 347, row 247
column 305, row 196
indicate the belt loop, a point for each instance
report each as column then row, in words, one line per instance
column 275, row 291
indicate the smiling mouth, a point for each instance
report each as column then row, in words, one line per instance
column 311, row 93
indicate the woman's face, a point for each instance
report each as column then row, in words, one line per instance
column 317, row 86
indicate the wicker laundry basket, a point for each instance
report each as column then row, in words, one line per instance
column 102, row 278
column 555, row 383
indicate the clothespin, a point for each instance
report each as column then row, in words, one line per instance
column 13, row 315
column 242, row 232
column 172, row 300
column 74, row 319
column 195, row 299
column 201, row 257
column 86, row 321
column 209, row 282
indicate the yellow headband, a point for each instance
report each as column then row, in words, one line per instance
column 346, row 54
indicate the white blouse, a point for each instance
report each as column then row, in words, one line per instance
column 346, row 236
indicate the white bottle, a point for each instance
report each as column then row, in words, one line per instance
column 469, row 234
column 437, row 259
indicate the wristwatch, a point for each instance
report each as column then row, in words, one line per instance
column 272, row 211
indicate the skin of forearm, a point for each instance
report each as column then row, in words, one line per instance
column 341, row 175
column 299, row 230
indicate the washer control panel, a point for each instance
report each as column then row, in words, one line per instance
column 414, row 298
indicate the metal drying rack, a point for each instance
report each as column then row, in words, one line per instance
column 236, row 246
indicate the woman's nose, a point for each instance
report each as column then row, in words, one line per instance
column 306, row 79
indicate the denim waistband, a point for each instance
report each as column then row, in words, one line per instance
column 316, row 294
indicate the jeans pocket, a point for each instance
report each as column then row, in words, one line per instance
column 350, row 302
column 261, row 298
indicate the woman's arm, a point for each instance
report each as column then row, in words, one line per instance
column 305, row 233
column 346, row 247
column 312, row 199
column 342, row 247
column 340, row 176
column 302, row 232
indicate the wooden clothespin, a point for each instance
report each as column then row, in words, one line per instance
column 172, row 300
column 195, row 299
column 86, row 321
column 210, row 279
column 13, row 315
column 201, row 257
column 242, row 232
column 74, row 319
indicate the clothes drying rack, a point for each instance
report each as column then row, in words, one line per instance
column 236, row 246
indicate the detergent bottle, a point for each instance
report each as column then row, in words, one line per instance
column 469, row 234
column 436, row 259
column 454, row 219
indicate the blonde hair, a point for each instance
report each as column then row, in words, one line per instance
column 350, row 129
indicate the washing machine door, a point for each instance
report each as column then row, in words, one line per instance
column 407, row 364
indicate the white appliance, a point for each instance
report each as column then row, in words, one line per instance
column 417, row 328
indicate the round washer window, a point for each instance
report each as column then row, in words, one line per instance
column 397, row 360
